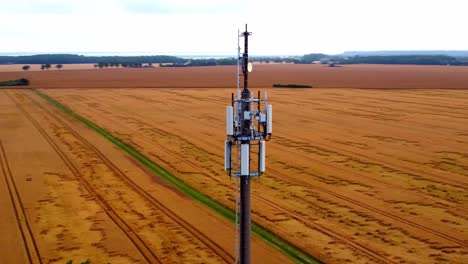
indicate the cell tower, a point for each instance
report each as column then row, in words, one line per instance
column 247, row 128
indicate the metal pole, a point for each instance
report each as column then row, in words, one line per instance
column 245, row 192
column 246, row 58
column 237, row 220
column 244, row 136
column 245, row 220
column 245, row 179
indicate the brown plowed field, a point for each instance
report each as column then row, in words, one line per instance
column 68, row 194
column 361, row 176
column 264, row 75
column 37, row 67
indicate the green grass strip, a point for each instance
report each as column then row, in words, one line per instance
column 19, row 82
column 277, row 242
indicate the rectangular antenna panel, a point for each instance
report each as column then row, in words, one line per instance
column 269, row 113
column 229, row 121
column 245, row 159
column 227, row 155
column 261, row 162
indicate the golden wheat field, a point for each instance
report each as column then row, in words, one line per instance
column 68, row 194
column 353, row 175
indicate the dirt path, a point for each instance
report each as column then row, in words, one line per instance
column 17, row 232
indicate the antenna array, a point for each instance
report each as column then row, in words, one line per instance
column 248, row 127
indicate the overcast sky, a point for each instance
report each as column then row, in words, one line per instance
column 210, row 26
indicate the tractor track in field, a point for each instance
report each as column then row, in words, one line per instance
column 339, row 196
column 354, row 245
column 269, row 239
column 378, row 211
column 455, row 183
column 141, row 246
column 209, row 243
column 413, row 192
column 329, row 232
column 24, row 227
column 449, row 181
column 401, row 189
column 184, row 224
column 439, row 234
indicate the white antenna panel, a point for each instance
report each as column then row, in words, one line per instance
column 227, row 155
column 229, row 121
column 245, row 159
column 269, row 126
column 262, row 156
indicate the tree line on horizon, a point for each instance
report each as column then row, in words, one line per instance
column 173, row 61
column 46, row 66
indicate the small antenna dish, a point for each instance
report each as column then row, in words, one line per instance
column 249, row 67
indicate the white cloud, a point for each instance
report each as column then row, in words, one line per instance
column 180, row 6
column 209, row 26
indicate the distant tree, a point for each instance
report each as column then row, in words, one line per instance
column 26, row 67
column 150, row 65
column 59, row 66
column 47, row 66
column 403, row 59
column 43, row 66
column 23, row 81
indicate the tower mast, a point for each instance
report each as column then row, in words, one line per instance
column 246, row 127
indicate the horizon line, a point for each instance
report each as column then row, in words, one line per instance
column 202, row 54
